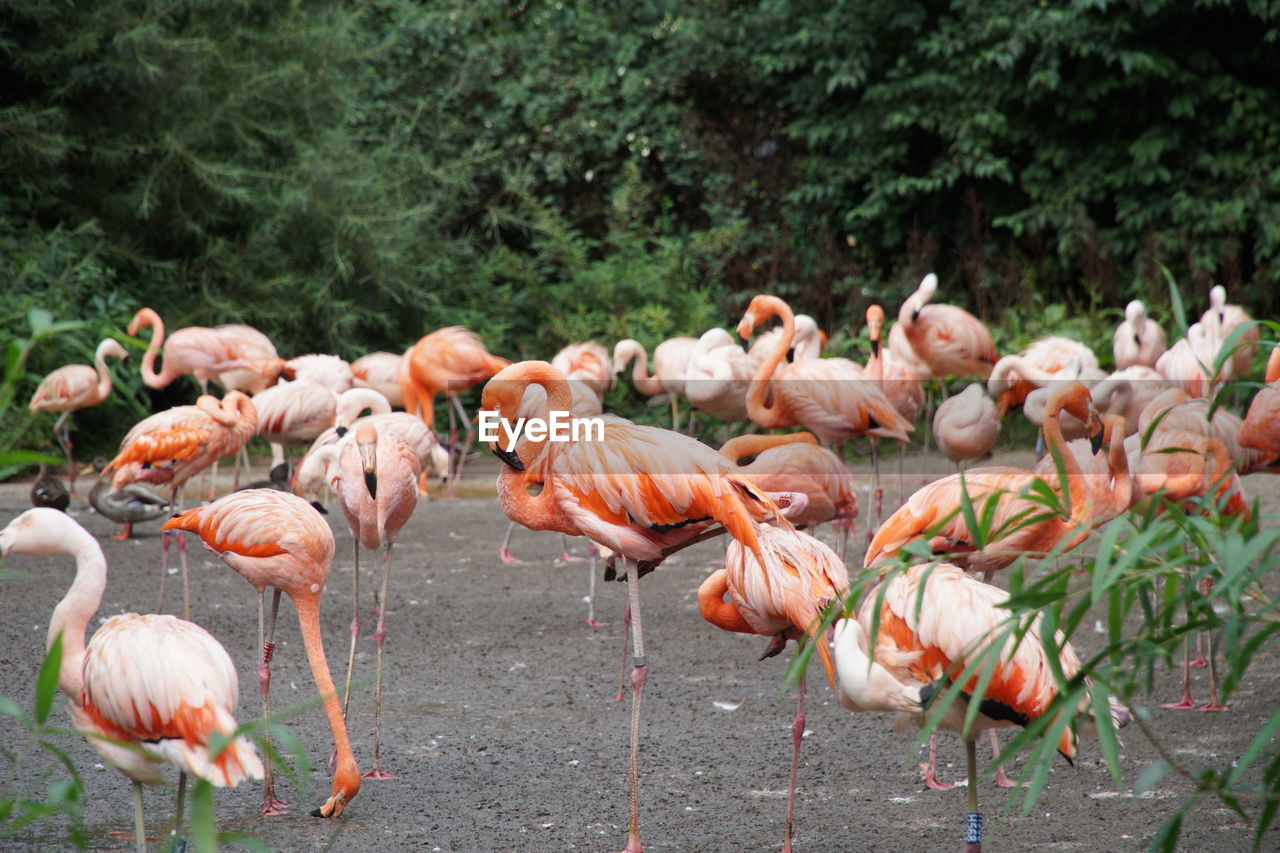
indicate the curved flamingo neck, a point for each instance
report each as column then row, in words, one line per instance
column 353, row 401
column 758, row 409
column 100, row 365
column 752, row 445
column 1273, row 365
column 1121, row 478
column 541, row 511
column 1070, row 465
column 72, row 615
column 723, row 614
column 346, row 778
column 148, row 318
column 644, row 382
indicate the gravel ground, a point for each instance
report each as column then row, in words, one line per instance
column 502, row 729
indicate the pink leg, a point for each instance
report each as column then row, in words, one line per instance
column 506, row 540
column 271, row 804
column 1002, row 779
column 591, row 592
column 380, row 635
column 626, row 633
column 1199, row 659
column 1214, row 704
column 565, row 556
column 797, row 735
column 639, row 673
column 931, row 769
column 186, row 583
column 164, row 568
column 1185, row 703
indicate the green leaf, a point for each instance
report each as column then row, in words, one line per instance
column 1150, row 776
column 1107, row 740
column 47, row 680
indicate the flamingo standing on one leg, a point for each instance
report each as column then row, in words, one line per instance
column 447, row 361
column 783, row 598
column 642, row 492
column 146, row 689
column 172, row 446
column 275, row 539
column 933, row 622
column 377, row 486
column 967, row 425
column 73, row 387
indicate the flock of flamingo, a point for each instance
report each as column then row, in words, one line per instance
column 148, row 689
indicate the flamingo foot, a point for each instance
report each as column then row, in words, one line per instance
column 507, row 558
column 1199, row 661
column 1183, row 704
column 1213, row 706
column 595, row 623
column 376, row 773
column 273, row 805
column 566, row 557
column 931, row 781
column 1002, row 780
column 633, row 847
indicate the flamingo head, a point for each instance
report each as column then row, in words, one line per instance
column 1135, row 312
column 1218, row 298
column 762, row 307
column 875, row 325
column 39, row 530
column 1074, row 399
column 367, row 444
column 145, row 317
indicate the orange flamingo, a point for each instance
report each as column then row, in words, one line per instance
column 447, row 361
column 795, row 463
column 642, row 492
column 1221, row 319
column 587, row 362
column 782, row 598
column 828, row 396
column 934, row 510
column 949, row 339
column 73, row 387
column 967, row 425
column 1138, row 340
column 377, row 486
column 381, row 372
column 198, row 350
column 275, row 539
column 933, row 622
column 670, row 364
column 1261, row 428
column 146, row 689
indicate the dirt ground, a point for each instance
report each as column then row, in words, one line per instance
column 502, row 729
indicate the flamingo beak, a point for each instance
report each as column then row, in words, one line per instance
column 509, row 457
column 1096, row 438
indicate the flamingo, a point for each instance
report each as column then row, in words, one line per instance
column 381, row 372
column 293, row 414
column 1261, row 428
column 950, row 340
column 172, row 446
column 275, row 539
column 782, row 598
column 795, row 463
column 900, row 386
column 670, row 363
column 377, row 486
column 934, row 621
column 587, row 362
column 1221, row 319
column 198, row 350
column 314, row 472
column 828, row 396
column 146, row 689
column 1191, row 362
column 718, row 376
column 642, row 492
column 807, row 342
column 328, row 370
column 447, row 361
column 902, row 352
column 934, row 510
column 73, row 387
column 1138, row 340
column 1014, row 377
column 967, row 425
column 255, row 347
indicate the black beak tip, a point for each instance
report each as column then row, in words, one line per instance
column 509, row 457
column 317, row 813
column 1095, row 441
column 341, row 431
column 319, row 507
column 371, row 483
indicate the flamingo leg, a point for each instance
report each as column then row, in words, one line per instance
column 469, row 434
column 125, row 533
column 675, row 413
column 63, row 437
column 504, row 552
column 626, row 633
column 797, row 735
column 1199, row 659
column 565, row 556
column 1185, row 702
column 639, row 672
column 271, row 804
column 591, row 592
column 376, row 771
column 178, row 807
column 139, row 824
column 973, row 836
column 877, row 490
column 355, row 631
column 186, row 584
column 1214, row 704
column 1002, row 779
column 931, row 769
column 164, row 569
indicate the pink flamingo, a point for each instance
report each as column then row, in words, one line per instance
column 73, row 387
column 328, row 370
column 146, row 689
column 381, row 372
column 294, row 414
column 198, row 350
column 950, row 340
column 587, row 362
column 1261, row 428
column 1138, row 340
column 377, row 486
column 782, row 598
column 967, row 425
column 275, row 539
column 670, row 366
column 1221, row 319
